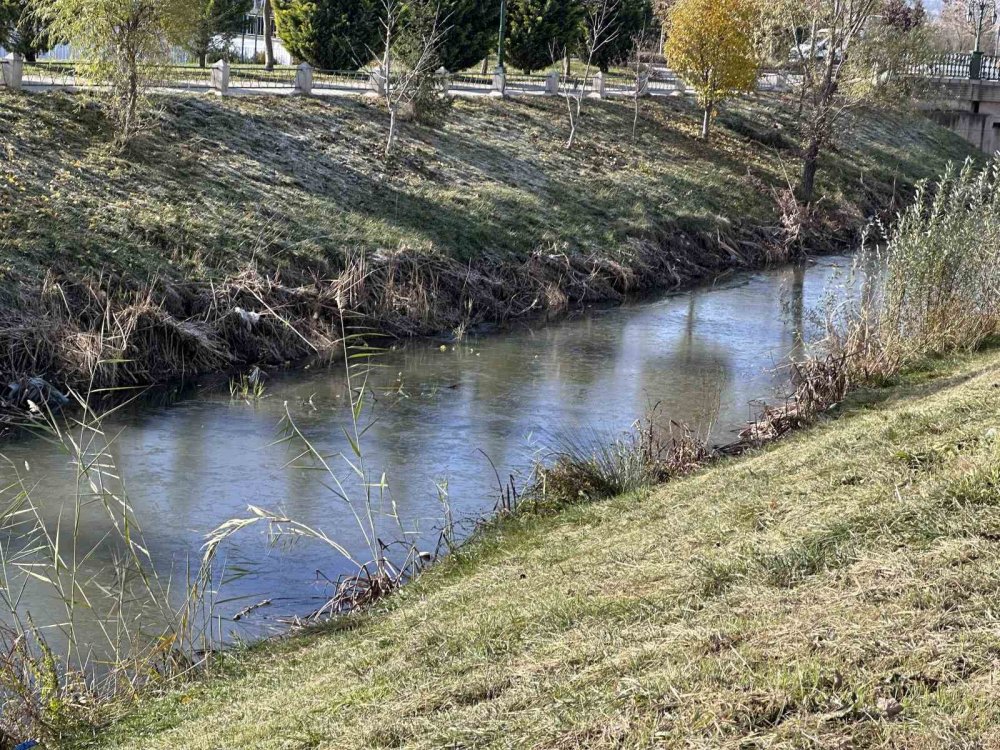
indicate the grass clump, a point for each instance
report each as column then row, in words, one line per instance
column 587, row 467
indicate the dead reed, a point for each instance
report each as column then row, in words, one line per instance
column 588, row 466
column 931, row 283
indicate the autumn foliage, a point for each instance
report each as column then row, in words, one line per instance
column 712, row 46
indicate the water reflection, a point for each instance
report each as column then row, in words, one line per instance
column 193, row 463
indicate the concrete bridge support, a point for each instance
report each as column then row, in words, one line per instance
column 979, row 128
column 969, row 108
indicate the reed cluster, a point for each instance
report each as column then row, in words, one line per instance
column 931, row 283
column 87, row 621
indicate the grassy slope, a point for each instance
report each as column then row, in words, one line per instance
column 294, row 183
column 779, row 600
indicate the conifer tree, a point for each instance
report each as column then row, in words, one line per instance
column 541, row 30
column 470, row 31
column 329, row 34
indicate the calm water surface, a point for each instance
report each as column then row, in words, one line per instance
column 200, row 460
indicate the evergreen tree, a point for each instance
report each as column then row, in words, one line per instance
column 471, row 31
column 541, row 30
column 329, row 34
column 216, row 24
column 21, row 31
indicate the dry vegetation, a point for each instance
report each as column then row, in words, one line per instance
column 240, row 229
column 835, row 591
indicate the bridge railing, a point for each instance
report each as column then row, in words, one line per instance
column 959, row 65
column 990, row 70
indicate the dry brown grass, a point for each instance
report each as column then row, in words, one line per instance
column 110, row 334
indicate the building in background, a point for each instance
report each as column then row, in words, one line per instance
column 247, row 46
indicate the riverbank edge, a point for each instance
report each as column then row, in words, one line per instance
column 501, row 536
column 140, row 321
column 104, row 333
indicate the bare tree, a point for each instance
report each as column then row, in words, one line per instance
column 955, row 32
column 599, row 29
column 850, row 60
column 411, row 35
column 645, row 45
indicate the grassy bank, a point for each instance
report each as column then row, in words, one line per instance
column 835, row 590
column 284, row 207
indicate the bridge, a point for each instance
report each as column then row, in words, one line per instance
column 964, row 96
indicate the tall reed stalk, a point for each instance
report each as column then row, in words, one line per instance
column 364, row 495
column 932, row 282
column 113, row 625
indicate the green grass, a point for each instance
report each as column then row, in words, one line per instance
column 837, row 590
column 294, row 184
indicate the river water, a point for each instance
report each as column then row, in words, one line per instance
column 439, row 410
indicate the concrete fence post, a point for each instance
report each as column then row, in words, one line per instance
column 220, row 77
column 643, row 84
column 376, row 82
column 499, row 82
column 599, row 85
column 442, row 80
column 13, row 71
column 304, row 79
column 552, row 83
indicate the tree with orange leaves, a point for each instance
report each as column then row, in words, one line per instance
column 712, row 45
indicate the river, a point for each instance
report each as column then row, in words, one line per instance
column 440, row 408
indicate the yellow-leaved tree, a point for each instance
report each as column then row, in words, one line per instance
column 712, row 45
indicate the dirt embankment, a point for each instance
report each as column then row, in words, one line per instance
column 246, row 231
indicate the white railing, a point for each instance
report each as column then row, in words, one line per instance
column 303, row 79
column 242, row 47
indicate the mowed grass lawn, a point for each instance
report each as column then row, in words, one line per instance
column 836, row 590
column 293, row 184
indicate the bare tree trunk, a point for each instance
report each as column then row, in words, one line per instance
column 202, row 59
column 573, row 119
column 635, row 112
column 810, row 163
column 268, row 36
column 391, row 140
column 131, row 106
column 567, row 65
column 486, row 65
column 706, row 120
